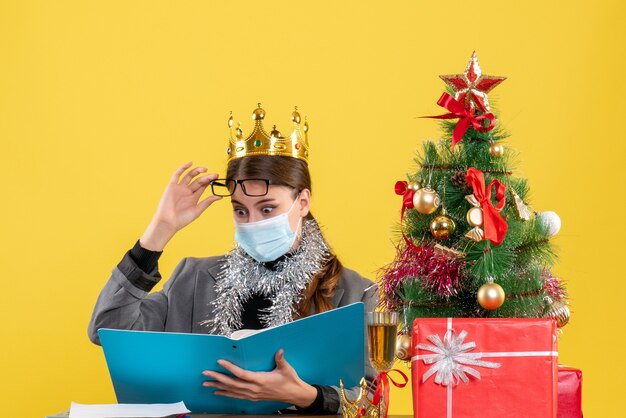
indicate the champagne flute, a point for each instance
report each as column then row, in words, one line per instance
column 382, row 328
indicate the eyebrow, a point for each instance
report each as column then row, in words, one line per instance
column 233, row 201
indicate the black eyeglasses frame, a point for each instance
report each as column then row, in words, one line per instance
column 223, row 185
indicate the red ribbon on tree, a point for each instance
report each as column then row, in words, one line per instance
column 466, row 118
column 494, row 224
column 381, row 381
column 402, row 189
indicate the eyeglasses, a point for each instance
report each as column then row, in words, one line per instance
column 249, row 187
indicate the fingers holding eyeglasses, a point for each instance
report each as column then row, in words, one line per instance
column 186, row 180
column 201, row 183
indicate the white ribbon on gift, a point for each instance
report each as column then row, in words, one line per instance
column 451, row 361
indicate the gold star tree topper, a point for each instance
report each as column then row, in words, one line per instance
column 472, row 86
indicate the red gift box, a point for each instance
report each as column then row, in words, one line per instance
column 483, row 367
column 570, row 392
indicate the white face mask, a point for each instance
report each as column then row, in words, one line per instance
column 268, row 239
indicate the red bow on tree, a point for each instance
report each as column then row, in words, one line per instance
column 466, row 118
column 402, row 189
column 494, row 224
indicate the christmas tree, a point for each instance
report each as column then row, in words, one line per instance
column 469, row 244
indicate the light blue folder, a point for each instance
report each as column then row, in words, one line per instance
column 163, row 367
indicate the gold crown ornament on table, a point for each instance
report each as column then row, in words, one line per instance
column 259, row 142
column 362, row 406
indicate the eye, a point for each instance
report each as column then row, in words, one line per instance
column 240, row 212
column 267, row 210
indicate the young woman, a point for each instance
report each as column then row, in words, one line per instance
column 282, row 268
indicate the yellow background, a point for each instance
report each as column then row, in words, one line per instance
column 101, row 100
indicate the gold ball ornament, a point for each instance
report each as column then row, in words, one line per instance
column 442, row 227
column 414, row 186
column 491, row 296
column 403, row 347
column 496, row 150
column 560, row 312
column 426, row 200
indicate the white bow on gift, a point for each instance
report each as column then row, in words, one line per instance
column 452, row 359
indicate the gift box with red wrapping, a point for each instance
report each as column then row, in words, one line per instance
column 483, row 367
column 570, row 392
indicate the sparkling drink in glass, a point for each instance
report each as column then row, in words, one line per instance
column 382, row 328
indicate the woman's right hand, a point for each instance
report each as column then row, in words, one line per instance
column 178, row 206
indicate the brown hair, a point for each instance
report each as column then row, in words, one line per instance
column 294, row 173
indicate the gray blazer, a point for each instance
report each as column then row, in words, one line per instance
column 126, row 302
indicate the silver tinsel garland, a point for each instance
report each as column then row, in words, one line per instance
column 241, row 276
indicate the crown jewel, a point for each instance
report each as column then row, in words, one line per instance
column 259, row 142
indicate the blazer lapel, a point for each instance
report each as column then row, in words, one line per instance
column 203, row 293
column 337, row 298
column 214, row 270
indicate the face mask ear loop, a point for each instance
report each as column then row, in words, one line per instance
column 299, row 229
column 296, row 200
column 298, row 234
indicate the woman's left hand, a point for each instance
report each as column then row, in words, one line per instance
column 281, row 384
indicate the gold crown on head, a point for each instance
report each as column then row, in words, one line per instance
column 259, row 142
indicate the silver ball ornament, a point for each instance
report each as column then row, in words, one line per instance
column 551, row 220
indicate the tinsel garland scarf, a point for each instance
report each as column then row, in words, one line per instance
column 241, row 277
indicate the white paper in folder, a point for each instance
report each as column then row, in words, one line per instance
column 122, row 410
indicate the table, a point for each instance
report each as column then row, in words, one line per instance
column 65, row 414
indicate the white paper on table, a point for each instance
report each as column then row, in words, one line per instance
column 126, row 410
